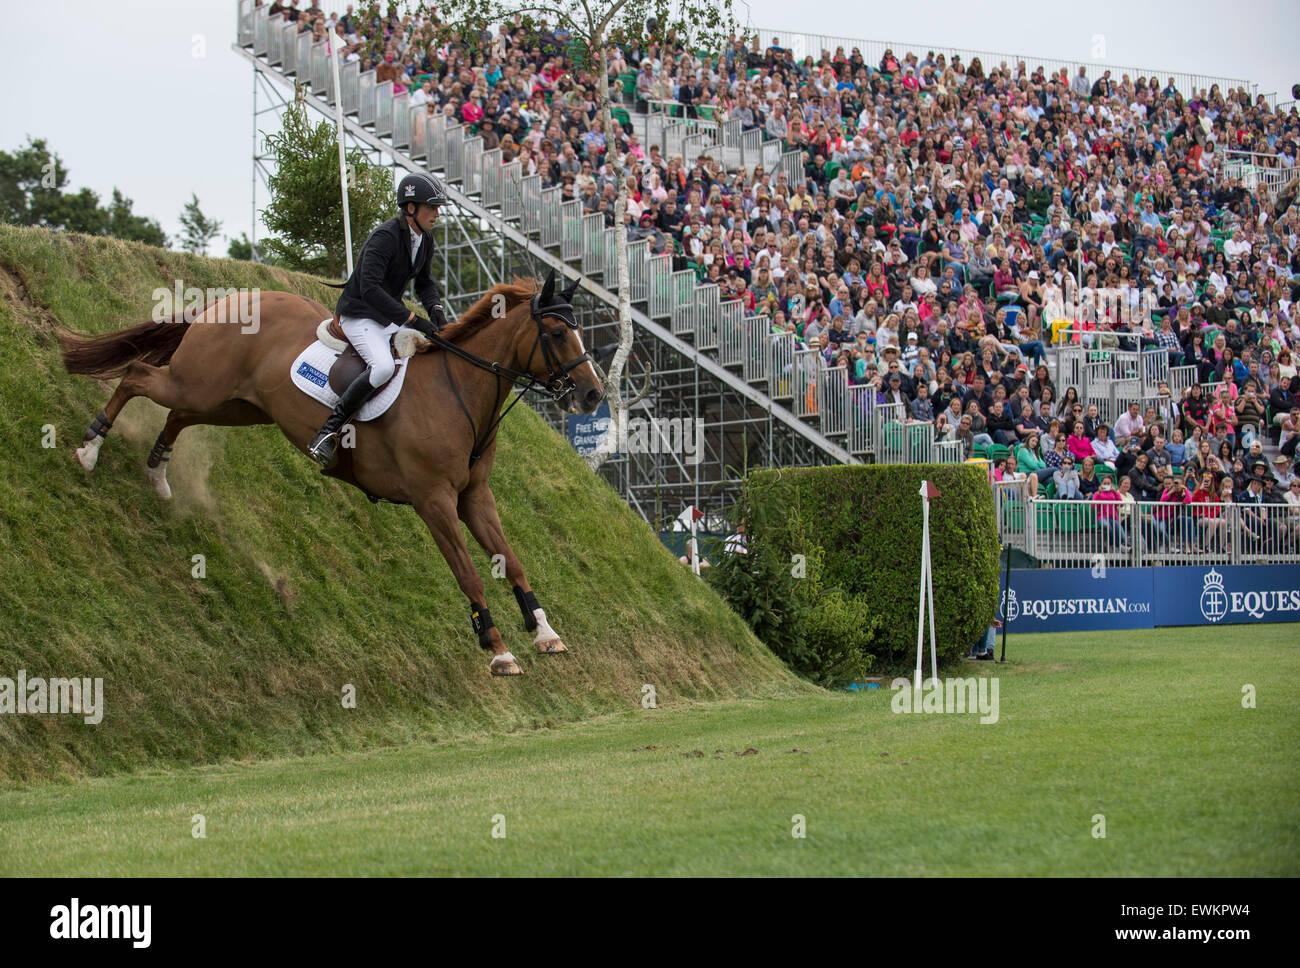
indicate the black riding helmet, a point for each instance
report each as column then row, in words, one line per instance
column 420, row 187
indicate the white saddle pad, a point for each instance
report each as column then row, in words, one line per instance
column 311, row 375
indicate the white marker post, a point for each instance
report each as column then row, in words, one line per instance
column 335, row 43
column 928, row 491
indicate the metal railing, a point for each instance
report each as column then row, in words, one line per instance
column 708, row 308
column 757, row 334
column 731, row 333
column 780, row 366
column 833, row 400
column 803, row 378
column 1081, row 533
column 681, row 295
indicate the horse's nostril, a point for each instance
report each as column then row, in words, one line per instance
column 594, row 397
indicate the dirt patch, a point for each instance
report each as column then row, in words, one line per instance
column 40, row 319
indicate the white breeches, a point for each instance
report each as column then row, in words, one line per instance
column 371, row 341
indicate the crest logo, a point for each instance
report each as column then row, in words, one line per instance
column 1214, row 601
column 1009, row 609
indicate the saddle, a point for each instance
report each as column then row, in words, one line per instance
column 349, row 365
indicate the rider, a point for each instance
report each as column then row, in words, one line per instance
column 370, row 307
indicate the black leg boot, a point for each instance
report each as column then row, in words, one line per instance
column 323, row 446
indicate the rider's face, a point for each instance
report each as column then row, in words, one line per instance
column 425, row 216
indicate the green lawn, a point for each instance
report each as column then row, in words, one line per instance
column 1148, row 731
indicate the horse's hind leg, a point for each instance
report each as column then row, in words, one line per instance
column 142, row 380
column 233, row 413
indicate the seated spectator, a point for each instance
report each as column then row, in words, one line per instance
column 1103, row 448
column 1109, row 501
column 1066, row 479
column 1129, row 424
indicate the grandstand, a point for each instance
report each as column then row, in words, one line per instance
column 845, row 250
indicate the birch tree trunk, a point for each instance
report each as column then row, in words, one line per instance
column 613, row 390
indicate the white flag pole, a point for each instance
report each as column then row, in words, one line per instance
column 929, row 584
column 333, row 40
column 925, row 569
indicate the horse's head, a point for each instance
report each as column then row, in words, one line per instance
column 563, row 364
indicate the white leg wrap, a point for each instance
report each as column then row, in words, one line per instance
column 88, row 453
column 544, row 631
column 158, row 478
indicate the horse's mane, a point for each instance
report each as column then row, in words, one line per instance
column 480, row 314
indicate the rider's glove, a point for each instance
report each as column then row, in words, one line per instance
column 438, row 316
column 423, row 327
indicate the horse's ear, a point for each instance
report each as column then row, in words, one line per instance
column 548, row 289
column 568, row 293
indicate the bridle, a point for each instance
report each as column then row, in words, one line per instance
column 558, row 383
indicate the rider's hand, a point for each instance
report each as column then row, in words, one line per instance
column 421, row 326
column 438, row 316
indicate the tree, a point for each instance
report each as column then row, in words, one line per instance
column 199, row 229
column 587, row 32
column 240, row 248
column 33, row 183
column 306, row 210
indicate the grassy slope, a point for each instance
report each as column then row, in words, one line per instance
column 308, row 585
column 1149, row 732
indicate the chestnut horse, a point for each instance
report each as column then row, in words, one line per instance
column 433, row 448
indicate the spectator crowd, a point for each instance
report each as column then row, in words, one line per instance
column 950, row 222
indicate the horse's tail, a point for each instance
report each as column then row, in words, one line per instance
column 108, row 355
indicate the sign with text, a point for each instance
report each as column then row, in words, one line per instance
column 1082, row 599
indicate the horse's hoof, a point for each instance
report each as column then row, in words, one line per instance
column 158, row 478
column 551, row 647
column 504, row 665
column 87, row 455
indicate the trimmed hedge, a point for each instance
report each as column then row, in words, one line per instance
column 853, row 607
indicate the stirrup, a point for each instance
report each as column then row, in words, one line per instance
column 322, row 449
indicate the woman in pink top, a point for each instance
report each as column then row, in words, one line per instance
column 1079, row 444
column 1107, row 500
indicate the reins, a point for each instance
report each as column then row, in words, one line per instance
column 558, row 382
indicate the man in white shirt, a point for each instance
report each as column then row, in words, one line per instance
column 1236, row 246
column 1129, row 423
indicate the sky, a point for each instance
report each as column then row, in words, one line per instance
column 148, row 96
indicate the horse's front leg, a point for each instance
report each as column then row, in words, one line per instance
column 478, row 509
column 438, row 511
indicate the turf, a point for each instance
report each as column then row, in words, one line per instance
column 1149, row 732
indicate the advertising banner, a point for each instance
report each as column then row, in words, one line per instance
column 1083, row 599
column 1227, row 595
column 1079, row 599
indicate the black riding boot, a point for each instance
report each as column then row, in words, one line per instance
column 322, row 447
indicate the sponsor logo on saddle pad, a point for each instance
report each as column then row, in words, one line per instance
column 313, row 374
column 310, row 374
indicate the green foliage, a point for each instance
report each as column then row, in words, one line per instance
column 859, row 531
column 240, row 248
column 306, row 210
column 199, row 229
column 34, row 191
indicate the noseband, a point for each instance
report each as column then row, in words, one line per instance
column 558, row 382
